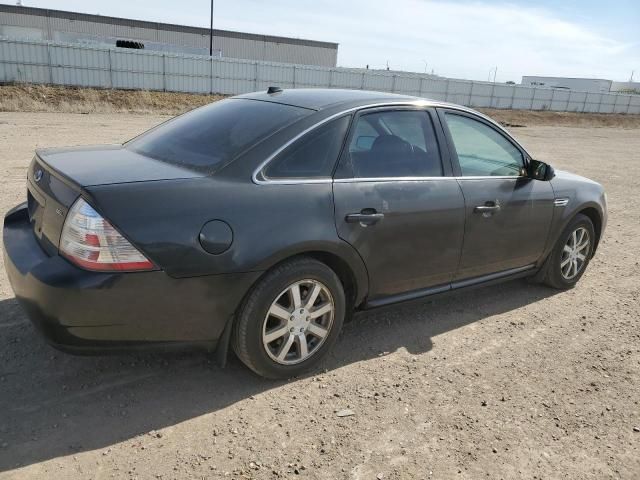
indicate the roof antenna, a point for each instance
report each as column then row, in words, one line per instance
column 272, row 90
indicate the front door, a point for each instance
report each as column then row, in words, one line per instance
column 397, row 203
column 508, row 215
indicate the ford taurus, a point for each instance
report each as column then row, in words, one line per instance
column 261, row 221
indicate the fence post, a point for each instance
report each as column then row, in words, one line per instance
column 110, row 70
column 362, row 82
column 255, row 77
column 629, row 104
column 446, row 91
column 615, row 102
column 164, row 73
column 533, row 97
column 211, row 76
column 553, row 94
column 493, row 89
column 584, row 104
column 513, row 96
column 393, row 83
column 294, row 76
column 421, row 87
column 330, row 77
column 50, row 66
column 566, row 108
column 600, row 104
column 470, row 94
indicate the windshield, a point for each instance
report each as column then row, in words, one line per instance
column 215, row 134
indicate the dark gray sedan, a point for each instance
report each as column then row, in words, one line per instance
column 263, row 220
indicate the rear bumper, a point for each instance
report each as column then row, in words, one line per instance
column 84, row 311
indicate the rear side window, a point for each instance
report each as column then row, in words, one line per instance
column 215, row 134
column 394, row 144
column 314, row 155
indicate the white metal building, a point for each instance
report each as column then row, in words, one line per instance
column 596, row 85
column 69, row 27
column 629, row 87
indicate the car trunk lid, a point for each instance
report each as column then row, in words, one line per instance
column 56, row 177
column 108, row 164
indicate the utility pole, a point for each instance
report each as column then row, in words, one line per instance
column 211, row 32
column 494, row 71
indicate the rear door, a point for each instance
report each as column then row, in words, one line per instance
column 397, row 202
column 508, row 215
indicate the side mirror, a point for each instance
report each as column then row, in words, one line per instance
column 540, row 171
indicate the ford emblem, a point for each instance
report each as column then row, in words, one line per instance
column 37, row 176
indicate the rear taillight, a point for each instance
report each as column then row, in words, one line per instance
column 91, row 242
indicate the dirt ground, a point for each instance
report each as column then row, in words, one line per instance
column 515, row 381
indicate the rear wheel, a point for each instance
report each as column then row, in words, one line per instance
column 571, row 254
column 290, row 319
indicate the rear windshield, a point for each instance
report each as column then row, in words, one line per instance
column 215, row 134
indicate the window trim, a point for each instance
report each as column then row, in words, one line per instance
column 434, row 108
column 442, row 111
column 429, row 110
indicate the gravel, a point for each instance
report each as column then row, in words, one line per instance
column 558, row 373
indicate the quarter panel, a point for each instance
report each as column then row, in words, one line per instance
column 269, row 223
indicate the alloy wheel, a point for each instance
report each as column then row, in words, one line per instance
column 298, row 322
column 574, row 253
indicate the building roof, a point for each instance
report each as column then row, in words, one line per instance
column 86, row 17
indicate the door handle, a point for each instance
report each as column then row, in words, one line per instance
column 367, row 216
column 488, row 208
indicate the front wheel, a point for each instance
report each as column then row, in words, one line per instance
column 290, row 319
column 571, row 254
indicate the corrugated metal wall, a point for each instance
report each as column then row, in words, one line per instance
column 56, row 26
column 70, row 64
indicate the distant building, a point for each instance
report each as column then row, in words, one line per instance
column 625, row 87
column 579, row 84
column 69, row 27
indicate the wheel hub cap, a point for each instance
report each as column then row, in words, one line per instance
column 299, row 321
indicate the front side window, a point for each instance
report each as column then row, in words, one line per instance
column 394, row 144
column 314, row 155
column 210, row 136
column 482, row 151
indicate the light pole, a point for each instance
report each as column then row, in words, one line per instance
column 211, row 32
column 495, row 72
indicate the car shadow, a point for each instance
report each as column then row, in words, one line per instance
column 53, row 404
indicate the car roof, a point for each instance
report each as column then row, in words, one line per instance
column 323, row 98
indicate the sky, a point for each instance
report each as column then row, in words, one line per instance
column 452, row 38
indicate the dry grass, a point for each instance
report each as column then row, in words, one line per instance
column 42, row 98
column 530, row 118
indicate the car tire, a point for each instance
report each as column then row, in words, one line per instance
column 565, row 265
column 271, row 308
